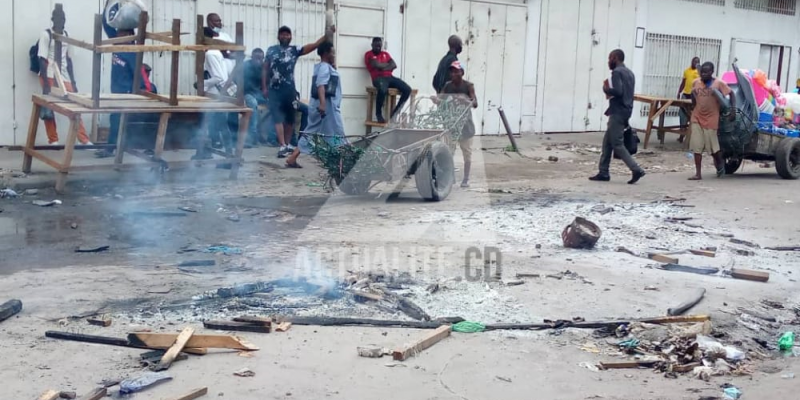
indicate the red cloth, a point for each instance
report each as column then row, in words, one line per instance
column 382, row 57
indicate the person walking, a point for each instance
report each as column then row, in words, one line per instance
column 325, row 108
column 381, row 66
column 49, row 67
column 707, row 96
column 620, row 109
column 442, row 76
column 685, row 90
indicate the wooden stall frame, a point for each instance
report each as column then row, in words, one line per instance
column 658, row 108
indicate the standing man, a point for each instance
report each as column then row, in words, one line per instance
column 49, row 66
column 685, row 89
column 707, row 95
column 620, row 109
column 443, row 71
column 459, row 90
column 380, row 66
column 253, row 92
column 277, row 81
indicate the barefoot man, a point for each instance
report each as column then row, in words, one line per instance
column 707, row 93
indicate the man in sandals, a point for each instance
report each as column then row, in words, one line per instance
column 708, row 93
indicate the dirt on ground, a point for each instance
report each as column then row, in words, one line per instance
column 275, row 225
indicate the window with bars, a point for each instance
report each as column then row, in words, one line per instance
column 711, row 2
column 783, row 7
column 667, row 56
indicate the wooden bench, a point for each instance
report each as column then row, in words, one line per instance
column 658, row 108
column 388, row 106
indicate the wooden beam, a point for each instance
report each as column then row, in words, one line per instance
column 50, row 395
column 97, row 60
column 73, row 42
column 254, row 320
column 199, row 58
column 10, row 309
column 95, row 394
column 599, row 324
column 121, row 39
column 41, row 157
column 704, row 253
column 662, row 258
column 429, row 340
column 237, row 326
column 111, row 341
column 154, row 96
column 141, row 34
column 239, row 78
column 175, row 349
column 628, row 364
column 750, row 275
column 165, row 340
column 193, row 394
column 175, row 64
column 152, row 48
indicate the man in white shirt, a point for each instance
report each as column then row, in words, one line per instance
column 49, row 67
column 219, row 66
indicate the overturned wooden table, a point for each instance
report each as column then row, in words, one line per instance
column 658, row 109
column 76, row 105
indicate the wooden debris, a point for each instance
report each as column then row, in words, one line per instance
column 372, row 351
column 688, row 304
column 237, row 326
column 196, row 393
column 750, row 275
column 625, row 250
column 104, row 321
column 686, row 368
column 662, row 258
column 527, row 275
column 692, row 270
column 254, row 320
column 428, row 341
column 757, row 314
column 245, row 373
column 283, row 326
column 175, row 349
column 366, row 295
column 514, row 283
column 627, row 364
column 95, row 394
column 598, row 324
column 704, row 253
column 336, row 321
column 112, row 341
column 784, row 248
column 67, row 395
column 744, row 243
column 165, row 340
column 10, row 309
column 50, row 395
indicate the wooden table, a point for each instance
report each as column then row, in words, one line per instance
column 76, row 105
column 658, row 108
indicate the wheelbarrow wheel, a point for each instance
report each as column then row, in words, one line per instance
column 353, row 186
column 435, row 173
column 732, row 165
column 787, row 158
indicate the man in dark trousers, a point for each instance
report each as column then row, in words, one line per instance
column 620, row 109
column 380, row 66
column 443, row 71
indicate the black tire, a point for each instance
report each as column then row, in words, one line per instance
column 732, row 165
column 787, row 158
column 435, row 174
column 353, row 186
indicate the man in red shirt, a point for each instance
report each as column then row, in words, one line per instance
column 380, row 66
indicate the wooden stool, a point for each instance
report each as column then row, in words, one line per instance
column 388, row 106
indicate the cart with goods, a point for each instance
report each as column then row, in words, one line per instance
column 419, row 143
column 753, row 136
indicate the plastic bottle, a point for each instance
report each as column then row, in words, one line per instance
column 786, row 342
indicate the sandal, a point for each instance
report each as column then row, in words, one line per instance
column 293, row 165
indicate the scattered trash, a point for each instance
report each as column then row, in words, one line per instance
column 188, row 209
column 692, row 270
column 42, row 203
column 314, row 184
column 504, row 379
column 73, row 225
column 651, row 287
column 552, row 159
column 500, row 191
column 468, row 327
column 234, row 217
column 372, row 351
column 514, row 283
column 788, row 375
column 581, row 234
column 786, row 342
column 31, row 192
column 245, row 373
column 104, row 321
column 383, row 214
column 68, row 395
column 10, row 309
column 9, row 193
column 602, row 209
column 732, row 393
column 744, row 243
column 590, row 366
column 144, row 381
column 223, row 249
column 97, row 249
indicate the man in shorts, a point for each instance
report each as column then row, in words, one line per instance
column 277, row 81
column 462, row 90
column 707, row 93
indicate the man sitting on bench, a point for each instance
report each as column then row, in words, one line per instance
column 380, row 66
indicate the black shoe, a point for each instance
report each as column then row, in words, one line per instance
column 600, row 178
column 380, row 119
column 636, row 176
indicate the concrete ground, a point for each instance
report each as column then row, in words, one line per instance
column 517, row 203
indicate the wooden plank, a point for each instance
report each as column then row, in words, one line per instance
column 175, row 64
column 10, row 309
column 95, row 394
column 239, row 56
column 158, row 48
column 627, row 364
column 110, row 341
column 175, row 349
column 237, row 326
column 50, row 395
column 33, row 129
column 426, row 342
column 104, row 322
column 366, row 295
column 193, row 394
column 120, row 39
column 199, row 57
column 265, row 321
column 41, row 157
column 704, row 253
column 97, row 60
column 73, row 42
column 72, row 137
column 283, row 327
column 165, row 340
column 244, row 125
column 662, row 258
column 161, row 135
column 154, row 96
column 141, row 33
column 750, row 275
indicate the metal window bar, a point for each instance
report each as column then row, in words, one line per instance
column 667, row 56
column 711, row 2
column 782, row 7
